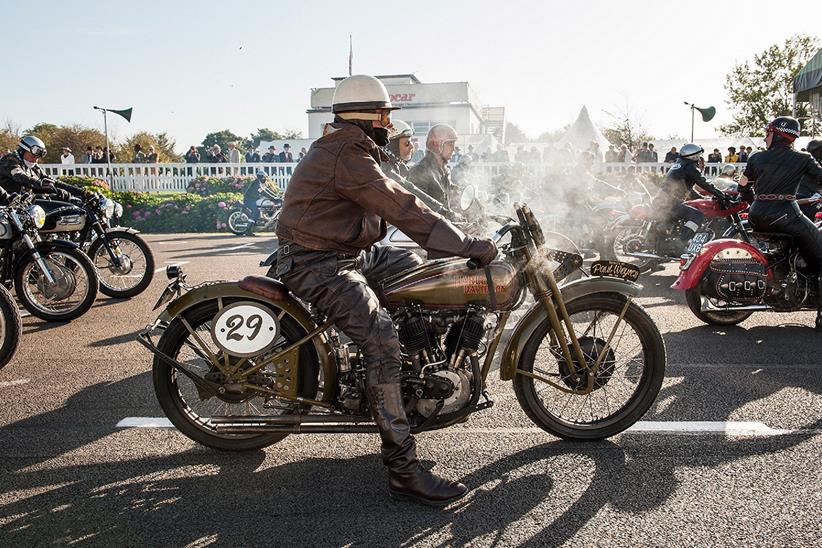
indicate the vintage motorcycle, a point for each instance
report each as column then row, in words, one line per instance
column 727, row 280
column 641, row 239
column 240, row 365
column 239, row 217
column 53, row 279
column 11, row 326
column 124, row 261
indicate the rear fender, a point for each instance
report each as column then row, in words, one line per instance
column 288, row 306
column 528, row 324
column 692, row 271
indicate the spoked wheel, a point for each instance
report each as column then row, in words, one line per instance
column 694, row 299
column 11, row 326
column 135, row 270
column 68, row 296
column 190, row 410
column 618, row 244
column 625, row 385
column 238, row 222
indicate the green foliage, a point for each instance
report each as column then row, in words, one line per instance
column 221, row 138
column 77, row 137
column 513, row 134
column 96, row 185
column 266, row 134
column 208, row 186
column 9, row 138
column 184, row 212
column 760, row 91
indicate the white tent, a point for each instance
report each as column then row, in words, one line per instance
column 582, row 132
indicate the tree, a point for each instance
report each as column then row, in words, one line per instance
column 77, row 137
column 9, row 137
column 626, row 129
column 266, row 134
column 221, row 138
column 513, row 134
column 161, row 142
column 760, row 91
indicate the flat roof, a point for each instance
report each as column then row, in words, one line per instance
column 413, row 77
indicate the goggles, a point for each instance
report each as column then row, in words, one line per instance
column 384, row 116
column 38, row 151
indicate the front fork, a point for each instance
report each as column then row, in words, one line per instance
column 114, row 252
column 38, row 259
column 546, row 290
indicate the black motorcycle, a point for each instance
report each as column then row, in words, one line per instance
column 54, row 279
column 11, row 326
column 240, row 220
column 124, row 261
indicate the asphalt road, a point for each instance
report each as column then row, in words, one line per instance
column 69, row 475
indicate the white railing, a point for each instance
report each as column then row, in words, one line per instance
column 168, row 177
column 175, row 177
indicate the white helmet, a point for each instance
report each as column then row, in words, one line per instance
column 691, row 152
column 399, row 129
column 360, row 93
column 729, row 170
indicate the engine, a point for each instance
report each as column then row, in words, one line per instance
column 439, row 362
column 440, row 348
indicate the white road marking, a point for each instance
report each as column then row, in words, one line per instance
column 171, row 243
column 162, row 268
column 234, row 248
column 730, row 428
column 145, row 422
column 18, row 382
column 762, row 366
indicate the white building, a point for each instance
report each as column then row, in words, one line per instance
column 423, row 106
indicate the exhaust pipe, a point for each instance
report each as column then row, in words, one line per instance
column 708, row 307
column 295, row 424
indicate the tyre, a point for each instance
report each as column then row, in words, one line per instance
column 626, row 383
column 624, row 239
column 11, row 326
column 238, row 222
column 184, row 405
column 72, row 293
column 693, row 297
column 136, row 270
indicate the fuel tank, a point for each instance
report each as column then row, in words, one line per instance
column 450, row 285
column 62, row 216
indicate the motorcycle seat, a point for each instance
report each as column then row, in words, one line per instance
column 265, row 287
column 771, row 236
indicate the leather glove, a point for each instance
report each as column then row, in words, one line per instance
column 482, row 251
column 63, row 194
column 446, row 240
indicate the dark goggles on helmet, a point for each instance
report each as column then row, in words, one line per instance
column 38, row 151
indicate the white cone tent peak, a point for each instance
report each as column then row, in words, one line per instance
column 582, row 132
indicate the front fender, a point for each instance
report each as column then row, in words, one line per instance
column 122, row 229
column 691, row 273
column 536, row 315
column 289, row 305
column 44, row 247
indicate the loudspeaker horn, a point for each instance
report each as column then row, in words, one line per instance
column 126, row 113
column 707, row 113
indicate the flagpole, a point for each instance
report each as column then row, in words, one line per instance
column 350, row 53
column 108, row 148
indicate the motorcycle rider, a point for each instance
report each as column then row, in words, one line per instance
column 431, row 174
column 775, row 174
column 725, row 180
column 398, row 152
column 807, row 187
column 668, row 204
column 19, row 172
column 335, row 208
column 255, row 191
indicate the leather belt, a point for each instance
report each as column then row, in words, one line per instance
column 775, row 197
column 289, row 249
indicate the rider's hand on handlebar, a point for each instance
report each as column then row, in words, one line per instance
column 481, row 252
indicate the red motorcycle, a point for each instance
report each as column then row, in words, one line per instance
column 727, row 280
column 641, row 239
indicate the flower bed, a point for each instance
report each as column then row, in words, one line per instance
column 177, row 212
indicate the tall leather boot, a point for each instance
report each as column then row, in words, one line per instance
column 407, row 479
column 818, row 325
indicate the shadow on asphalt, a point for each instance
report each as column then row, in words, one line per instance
column 233, row 499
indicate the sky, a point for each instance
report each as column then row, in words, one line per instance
column 189, row 68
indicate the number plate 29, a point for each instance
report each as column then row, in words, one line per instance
column 244, row 329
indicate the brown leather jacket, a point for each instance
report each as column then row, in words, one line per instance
column 338, row 198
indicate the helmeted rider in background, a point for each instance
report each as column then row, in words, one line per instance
column 668, row 205
column 19, row 172
column 775, row 174
column 431, row 174
column 335, row 208
column 256, row 191
column 398, row 152
column 726, row 180
column 807, row 186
